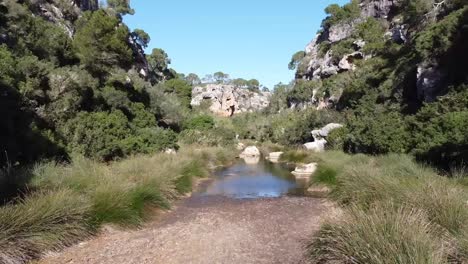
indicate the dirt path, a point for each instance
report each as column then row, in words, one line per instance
column 210, row 230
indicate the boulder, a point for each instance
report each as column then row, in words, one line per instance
column 324, row 131
column 274, row 157
column 303, row 173
column 250, row 151
column 317, row 146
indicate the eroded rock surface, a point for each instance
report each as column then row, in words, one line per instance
column 227, row 100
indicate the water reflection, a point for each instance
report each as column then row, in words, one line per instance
column 246, row 180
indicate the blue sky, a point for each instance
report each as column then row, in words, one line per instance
column 244, row 38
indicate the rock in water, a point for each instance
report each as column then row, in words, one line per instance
column 303, row 173
column 250, row 151
column 274, row 157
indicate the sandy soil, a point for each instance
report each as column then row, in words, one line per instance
column 210, row 230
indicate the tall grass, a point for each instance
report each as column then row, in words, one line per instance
column 385, row 234
column 73, row 200
column 397, row 211
column 43, row 221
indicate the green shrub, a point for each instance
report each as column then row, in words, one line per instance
column 214, row 137
column 337, row 14
column 200, row 122
column 150, row 140
column 101, row 41
column 325, row 174
column 336, row 138
column 98, row 135
column 378, row 134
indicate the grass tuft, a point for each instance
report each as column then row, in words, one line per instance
column 44, row 221
column 385, row 234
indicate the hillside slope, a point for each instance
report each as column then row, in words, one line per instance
column 397, row 70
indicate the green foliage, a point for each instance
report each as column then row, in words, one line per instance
column 168, row 108
column 98, row 135
column 141, row 37
column 341, row 48
column 303, row 91
column 200, row 122
column 337, row 14
column 336, row 138
column 121, row 7
column 438, row 38
column 218, row 136
column 193, row 79
column 296, row 59
column 221, row 77
column 379, row 133
column 372, row 32
column 179, row 87
column 101, row 42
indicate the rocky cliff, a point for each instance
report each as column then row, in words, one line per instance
column 227, row 100
column 320, row 64
column 349, row 38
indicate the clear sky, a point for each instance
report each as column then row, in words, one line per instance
column 244, row 38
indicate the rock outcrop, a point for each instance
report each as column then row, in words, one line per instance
column 227, row 100
column 319, row 143
column 322, row 66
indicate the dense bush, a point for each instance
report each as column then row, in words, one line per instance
column 101, row 41
column 337, row 14
column 81, row 90
column 200, row 122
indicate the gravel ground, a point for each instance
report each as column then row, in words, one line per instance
column 203, row 229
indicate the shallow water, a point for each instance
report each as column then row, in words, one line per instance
column 262, row 180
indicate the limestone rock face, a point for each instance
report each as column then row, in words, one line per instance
column 321, row 65
column 378, row 9
column 227, row 100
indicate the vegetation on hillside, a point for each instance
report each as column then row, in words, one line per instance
column 382, row 102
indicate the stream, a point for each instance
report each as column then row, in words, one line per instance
column 251, row 181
